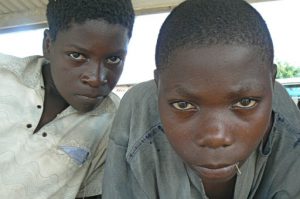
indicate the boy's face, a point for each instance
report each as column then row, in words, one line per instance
column 86, row 61
column 215, row 106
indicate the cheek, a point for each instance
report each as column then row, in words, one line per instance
column 180, row 140
column 258, row 128
column 254, row 129
column 178, row 133
column 114, row 75
column 64, row 79
column 58, row 68
column 63, row 75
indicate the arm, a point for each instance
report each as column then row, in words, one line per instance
column 117, row 174
column 131, row 121
column 118, row 179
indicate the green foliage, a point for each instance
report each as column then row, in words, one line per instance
column 285, row 70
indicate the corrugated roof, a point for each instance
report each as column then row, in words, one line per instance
column 22, row 13
column 14, row 13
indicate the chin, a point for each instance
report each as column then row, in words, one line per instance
column 86, row 108
column 217, row 180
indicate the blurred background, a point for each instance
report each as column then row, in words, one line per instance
column 281, row 16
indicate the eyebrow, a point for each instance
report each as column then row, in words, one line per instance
column 75, row 46
column 117, row 51
column 236, row 90
column 185, row 92
column 253, row 86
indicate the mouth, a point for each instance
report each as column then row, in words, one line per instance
column 90, row 98
column 215, row 172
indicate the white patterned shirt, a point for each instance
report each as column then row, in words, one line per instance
column 65, row 158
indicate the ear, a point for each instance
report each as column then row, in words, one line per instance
column 274, row 73
column 46, row 44
column 156, row 77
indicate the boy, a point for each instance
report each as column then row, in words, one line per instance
column 211, row 133
column 56, row 110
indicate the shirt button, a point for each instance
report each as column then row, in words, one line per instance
column 39, row 106
column 29, row 126
column 44, row 134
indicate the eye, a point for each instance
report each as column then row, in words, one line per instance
column 113, row 60
column 183, row 106
column 245, row 103
column 77, row 56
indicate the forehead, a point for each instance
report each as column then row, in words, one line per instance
column 216, row 65
column 92, row 32
column 215, row 58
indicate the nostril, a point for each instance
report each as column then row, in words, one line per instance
column 215, row 140
column 94, row 81
column 86, row 80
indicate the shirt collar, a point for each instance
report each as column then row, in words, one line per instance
column 266, row 150
column 107, row 106
column 32, row 74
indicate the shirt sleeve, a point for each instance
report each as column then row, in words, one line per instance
column 120, row 180
column 286, row 181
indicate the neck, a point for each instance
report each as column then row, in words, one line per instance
column 225, row 190
column 54, row 103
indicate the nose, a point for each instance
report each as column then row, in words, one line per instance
column 214, row 131
column 94, row 76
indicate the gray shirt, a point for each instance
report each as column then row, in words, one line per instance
column 284, row 104
column 142, row 164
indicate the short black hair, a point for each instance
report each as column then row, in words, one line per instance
column 203, row 23
column 62, row 13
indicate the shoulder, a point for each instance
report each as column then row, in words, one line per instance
column 286, row 129
column 140, row 102
column 282, row 169
column 109, row 106
column 5, row 59
column 113, row 101
column 142, row 92
column 284, row 143
column 137, row 114
column 27, row 69
column 285, row 135
column 13, row 63
column 284, row 104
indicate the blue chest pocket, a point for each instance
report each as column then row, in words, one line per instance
column 79, row 155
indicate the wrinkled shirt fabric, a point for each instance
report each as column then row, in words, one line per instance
column 141, row 163
column 65, row 158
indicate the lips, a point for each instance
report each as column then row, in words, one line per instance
column 91, row 98
column 215, row 172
